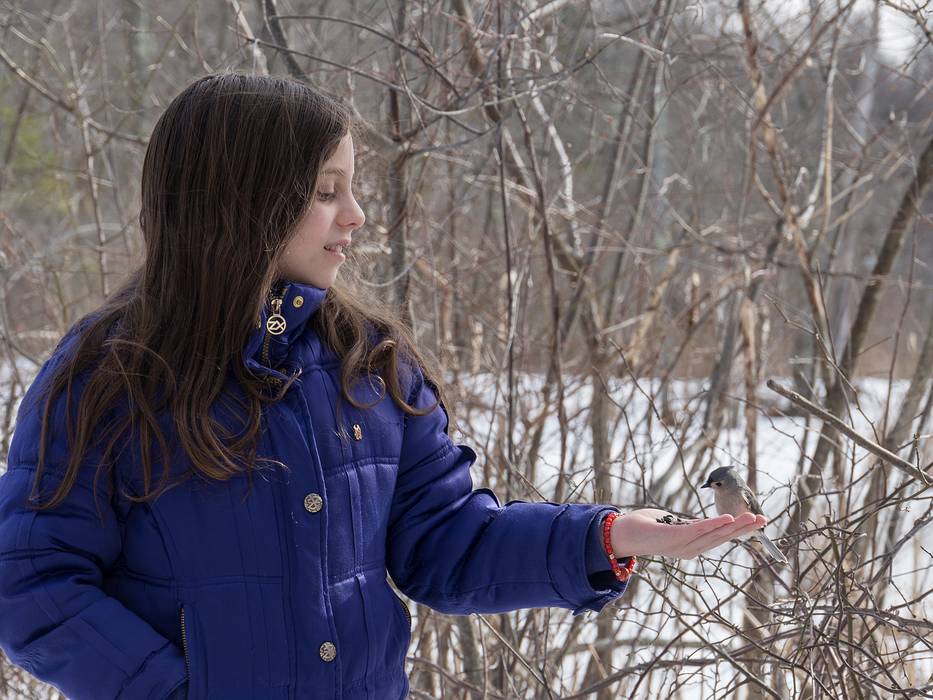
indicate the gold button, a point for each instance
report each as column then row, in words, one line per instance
column 313, row 502
column 298, row 301
column 328, row 651
column 357, row 432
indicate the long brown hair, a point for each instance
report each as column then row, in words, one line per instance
column 230, row 168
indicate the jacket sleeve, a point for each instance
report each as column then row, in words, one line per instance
column 56, row 622
column 459, row 551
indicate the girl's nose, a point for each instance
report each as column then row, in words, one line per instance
column 353, row 215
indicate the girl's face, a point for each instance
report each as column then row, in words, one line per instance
column 313, row 255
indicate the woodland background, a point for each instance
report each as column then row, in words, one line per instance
column 612, row 222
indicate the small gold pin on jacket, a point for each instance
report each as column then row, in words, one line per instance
column 357, row 432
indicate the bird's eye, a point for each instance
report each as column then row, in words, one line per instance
column 718, row 483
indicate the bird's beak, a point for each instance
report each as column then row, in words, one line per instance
column 706, row 485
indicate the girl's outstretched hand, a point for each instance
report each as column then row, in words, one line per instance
column 651, row 531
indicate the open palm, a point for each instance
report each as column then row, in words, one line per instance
column 638, row 533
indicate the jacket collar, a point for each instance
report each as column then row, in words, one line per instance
column 295, row 303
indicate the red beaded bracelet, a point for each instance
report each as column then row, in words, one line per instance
column 622, row 573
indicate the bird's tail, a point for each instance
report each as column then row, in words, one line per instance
column 771, row 548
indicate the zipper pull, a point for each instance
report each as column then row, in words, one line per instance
column 275, row 324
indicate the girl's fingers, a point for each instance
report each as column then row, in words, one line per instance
column 690, row 539
column 698, row 534
column 711, row 540
column 746, row 523
column 749, row 529
column 710, row 524
column 700, row 528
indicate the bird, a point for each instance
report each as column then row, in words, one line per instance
column 733, row 497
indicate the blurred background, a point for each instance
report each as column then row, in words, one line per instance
column 613, row 223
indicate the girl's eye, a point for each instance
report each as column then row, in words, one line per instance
column 326, row 196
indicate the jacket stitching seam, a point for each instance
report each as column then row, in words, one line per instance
column 142, row 667
column 350, row 573
column 391, row 673
column 435, row 456
column 33, row 467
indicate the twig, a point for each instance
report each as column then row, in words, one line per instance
column 650, row 50
column 872, row 447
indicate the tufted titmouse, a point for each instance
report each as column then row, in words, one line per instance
column 733, row 497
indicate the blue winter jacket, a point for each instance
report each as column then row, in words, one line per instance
column 278, row 591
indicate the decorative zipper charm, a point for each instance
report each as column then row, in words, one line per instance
column 275, row 324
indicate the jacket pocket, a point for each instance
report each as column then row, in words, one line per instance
column 236, row 641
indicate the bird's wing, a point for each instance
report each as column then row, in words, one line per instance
column 750, row 500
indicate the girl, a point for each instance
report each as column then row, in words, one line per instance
column 303, row 448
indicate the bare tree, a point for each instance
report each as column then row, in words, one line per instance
column 614, row 223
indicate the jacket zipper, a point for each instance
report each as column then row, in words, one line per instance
column 275, row 325
column 184, row 643
column 404, row 607
column 407, row 613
